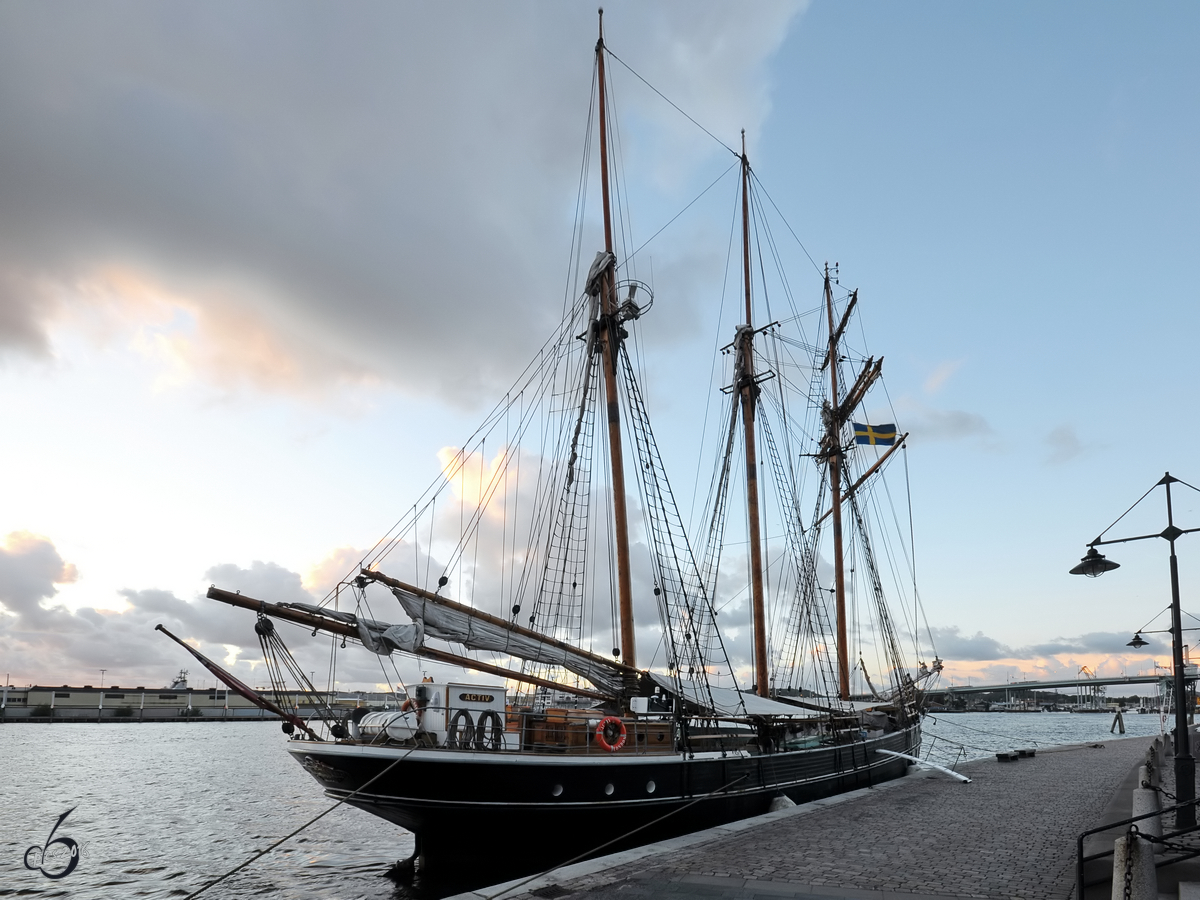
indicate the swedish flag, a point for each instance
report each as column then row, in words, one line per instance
column 874, row 434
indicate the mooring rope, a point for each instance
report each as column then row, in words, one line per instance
column 1007, row 737
column 262, row 853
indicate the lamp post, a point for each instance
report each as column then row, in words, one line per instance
column 1094, row 564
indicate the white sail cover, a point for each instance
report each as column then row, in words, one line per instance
column 378, row 637
column 730, row 702
column 381, row 638
column 458, row 625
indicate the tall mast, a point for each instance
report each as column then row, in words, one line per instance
column 749, row 390
column 833, row 446
column 611, row 335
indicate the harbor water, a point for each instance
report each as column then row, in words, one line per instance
column 159, row 810
column 950, row 738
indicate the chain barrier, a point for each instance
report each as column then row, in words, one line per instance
column 1168, row 844
column 1130, row 838
column 1167, row 794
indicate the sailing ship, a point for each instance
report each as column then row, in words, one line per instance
column 554, row 748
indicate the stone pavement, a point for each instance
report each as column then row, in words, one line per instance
column 1009, row 834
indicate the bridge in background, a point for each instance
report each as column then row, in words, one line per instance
column 1080, row 684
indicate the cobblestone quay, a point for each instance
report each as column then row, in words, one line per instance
column 1009, row 834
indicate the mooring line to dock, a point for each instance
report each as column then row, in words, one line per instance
column 596, row 850
column 1007, row 737
column 946, row 740
column 262, row 853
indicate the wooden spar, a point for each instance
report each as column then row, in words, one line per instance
column 748, row 390
column 837, row 332
column 608, row 315
column 495, row 620
column 866, row 378
column 321, row 623
column 238, row 687
column 833, row 446
column 288, row 614
column 867, row 474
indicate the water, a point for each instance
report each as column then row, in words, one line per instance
column 161, row 809
column 951, row 737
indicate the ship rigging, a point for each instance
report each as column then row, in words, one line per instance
column 537, row 557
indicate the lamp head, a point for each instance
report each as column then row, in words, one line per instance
column 1138, row 641
column 1094, row 564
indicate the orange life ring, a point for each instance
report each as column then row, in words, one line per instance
column 617, row 741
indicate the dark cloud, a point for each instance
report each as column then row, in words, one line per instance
column 315, row 187
column 57, row 644
column 30, row 570
column 951, row 643
column 1098, row 642
column 23, row 312
column 262, row 581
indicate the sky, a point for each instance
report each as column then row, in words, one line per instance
column 260, row 263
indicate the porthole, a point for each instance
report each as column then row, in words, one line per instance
column 608, row 789
column 556, row 791
column 650, row 787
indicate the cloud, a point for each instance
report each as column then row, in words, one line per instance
column 941, row 374
column 263, row 581
column 1063, row 444
column 23, row 314
column 308, row 208
column 928, row 424
column 30, row 570
column 56, row 645
column 1097, row 642
column 340, row 563
column 951, row 643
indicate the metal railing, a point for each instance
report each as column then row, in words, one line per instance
column 1184, row 853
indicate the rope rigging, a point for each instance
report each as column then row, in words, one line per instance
column 278, row 658
column 530, row 512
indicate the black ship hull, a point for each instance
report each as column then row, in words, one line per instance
column 483, row 817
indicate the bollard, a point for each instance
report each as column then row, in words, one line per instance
column 1146, row 800
column 1132, row 855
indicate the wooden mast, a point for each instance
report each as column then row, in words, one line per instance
column 833, row 447
column 611, row 335
column 749, row 390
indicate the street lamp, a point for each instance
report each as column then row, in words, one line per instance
column 1094, row 564
column 1138, row 642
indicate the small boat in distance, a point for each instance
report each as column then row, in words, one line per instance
column 527, row 566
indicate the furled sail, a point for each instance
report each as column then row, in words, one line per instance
column 378, row 637
column 449, row 621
